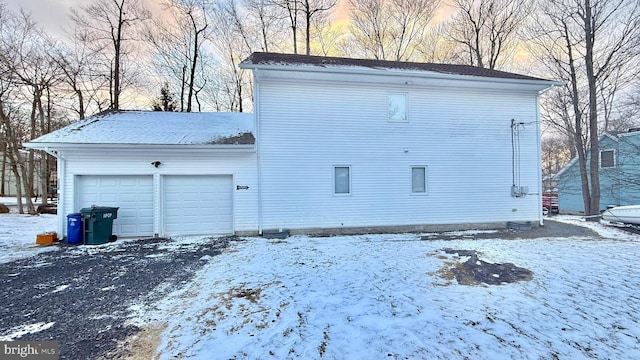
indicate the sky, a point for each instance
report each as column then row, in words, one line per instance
column 53, row 15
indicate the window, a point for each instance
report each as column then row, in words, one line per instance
column 419, row 179
column 342, row 183
column 397, row 108
column 607, row 159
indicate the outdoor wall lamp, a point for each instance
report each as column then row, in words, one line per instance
column 156, row 163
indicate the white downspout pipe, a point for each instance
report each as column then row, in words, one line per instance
column 256, row 119
column 61, row 172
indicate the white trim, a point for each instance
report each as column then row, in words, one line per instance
column 426, row 182
column 172, row 147
column 600, row 159
column 334, row 180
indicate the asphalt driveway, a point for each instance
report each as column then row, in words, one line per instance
column 81, row 295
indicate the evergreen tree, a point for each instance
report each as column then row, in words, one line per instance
column 165, row 101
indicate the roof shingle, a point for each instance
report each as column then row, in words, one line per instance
column 262, row 58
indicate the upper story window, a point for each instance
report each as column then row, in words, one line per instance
column 397, row 105
column 607, row 159
column 342, row 180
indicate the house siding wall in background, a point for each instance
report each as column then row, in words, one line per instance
column 619, row 185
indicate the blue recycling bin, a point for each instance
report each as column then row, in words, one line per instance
column 75, row 230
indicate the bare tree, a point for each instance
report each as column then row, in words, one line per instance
column 290, row 10
column 487, row 29
column 80, row 74
column 29, row 75
column 587, row 43
column 390, row 29
column 310, row 9
column 555, row 155
column 268, row 21
column 109, row 27
column 325, row 35
column 233, row 41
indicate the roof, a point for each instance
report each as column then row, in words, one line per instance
column 156, row 128
column 260, row 58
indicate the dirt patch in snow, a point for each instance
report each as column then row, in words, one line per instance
column 142, row 345
column 475, row 271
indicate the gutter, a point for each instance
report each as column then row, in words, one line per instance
column 81, row 146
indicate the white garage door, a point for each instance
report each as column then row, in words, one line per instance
column 197, row 205
column 132, row 194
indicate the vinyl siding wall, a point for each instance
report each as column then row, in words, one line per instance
column 462, row 136
column 242, row 166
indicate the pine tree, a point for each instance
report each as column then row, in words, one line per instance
column 165, row 101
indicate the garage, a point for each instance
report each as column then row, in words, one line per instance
column 170, row 173
column 132, row 194
column 197, row 204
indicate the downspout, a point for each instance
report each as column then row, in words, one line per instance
column 539, row 157
column 60, row 174
column 256, row 119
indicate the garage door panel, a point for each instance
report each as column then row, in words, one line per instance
column 133, row 195
column 197, row 204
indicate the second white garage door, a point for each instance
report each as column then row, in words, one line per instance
column 197, row 204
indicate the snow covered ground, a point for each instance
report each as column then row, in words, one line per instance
column 383, row 297
column 389, row 297
column 18, row 232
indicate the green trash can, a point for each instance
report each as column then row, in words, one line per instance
column 98, row 224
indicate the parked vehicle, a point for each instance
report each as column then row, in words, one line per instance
column 550, row 204
column 629, row 214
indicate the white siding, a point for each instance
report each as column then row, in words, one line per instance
column 241, row 166
column 462, row 135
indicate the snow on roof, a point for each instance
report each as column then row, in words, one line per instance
column 157, row 128
column 260, row 58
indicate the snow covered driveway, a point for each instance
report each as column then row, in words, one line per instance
column 382, row 297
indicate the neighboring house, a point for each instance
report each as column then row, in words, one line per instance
column 341, row 145
column 9, row 179
column 619, row 174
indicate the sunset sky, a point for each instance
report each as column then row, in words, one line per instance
column 53, row 15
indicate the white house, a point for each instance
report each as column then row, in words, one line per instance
column 334, row 144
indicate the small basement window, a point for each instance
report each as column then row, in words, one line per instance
column 607, row 159
column 418, row 179
column 397, row 104
column 342, row 180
